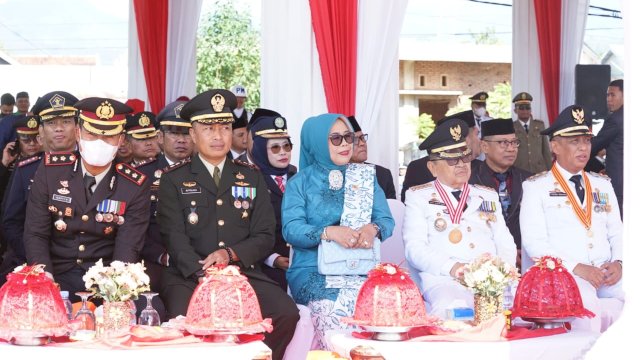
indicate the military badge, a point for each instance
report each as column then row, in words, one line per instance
column 68, row 212
column 456, row 132
column 278, row 122
column 239, row 176
column 144, row 120
column 578, row 115
column 440, row 224
column 63, row 191
column 57, row 101
column 108, row 230
column 245, row 214
column 240, row 183
column 455, row 236
column 192, row 218
column 217, row 103
column 157, row 173
column 32, row 123
column 105, row 111
column 189, row 183
column 64, row 183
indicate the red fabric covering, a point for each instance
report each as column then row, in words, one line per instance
column 136, row 104
column 152, row 23
column 335, row 25
column 549, row 25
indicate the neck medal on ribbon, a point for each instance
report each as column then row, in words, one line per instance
column 455, row 213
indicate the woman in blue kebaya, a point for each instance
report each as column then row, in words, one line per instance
column 312, row 212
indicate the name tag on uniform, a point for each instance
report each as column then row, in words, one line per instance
column 65, row 199
column 436, row 202
column 189, row 191
column 557, row 193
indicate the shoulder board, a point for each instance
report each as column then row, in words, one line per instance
column 245, row 164
column 143, row 162
column 485, row 188
column 129, row 172
column 594, row 174
column 30, row 160
column 423, row 186
column 57, row 159
column 537, row 176
column 176, row 165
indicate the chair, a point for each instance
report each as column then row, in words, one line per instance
column 392, row 249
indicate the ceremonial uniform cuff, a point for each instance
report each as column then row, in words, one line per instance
column 445, row 270
column 271, row 259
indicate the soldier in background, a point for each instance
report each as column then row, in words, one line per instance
column 143, row 137
column 533, row 154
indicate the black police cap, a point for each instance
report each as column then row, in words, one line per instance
column 26, row 125
column 572, row 121
column 480, row 97
column 103, row 116
column 210, row 107
column 55, row 104
column 446, row 139
column 354, row 123
column 141, row 125
column 170, row 115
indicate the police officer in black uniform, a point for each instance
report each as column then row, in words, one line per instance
column 57, row 118
column 217, row 211
column 143, row 137
column 83, row 208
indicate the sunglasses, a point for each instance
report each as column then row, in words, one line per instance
column 363, row 138
column 336, row 139
column 524, row 107
column 453, row 162
column 276, row 148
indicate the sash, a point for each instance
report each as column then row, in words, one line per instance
column 583, row 214
column 454, row 213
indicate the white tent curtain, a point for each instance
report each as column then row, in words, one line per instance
column 291, row 81
column 181, row 48
column 526, row 73
column 574, row 19
column 377, row 99
column 137, row 86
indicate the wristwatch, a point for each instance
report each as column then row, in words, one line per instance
column 375, row 226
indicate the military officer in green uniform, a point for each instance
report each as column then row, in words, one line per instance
column 83, row 208
column 213, row 210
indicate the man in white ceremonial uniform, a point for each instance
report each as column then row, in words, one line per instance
column 449, row 223
column 574, row 215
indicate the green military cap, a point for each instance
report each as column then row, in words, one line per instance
column 522, row 98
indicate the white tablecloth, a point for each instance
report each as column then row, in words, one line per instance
column 247, row 351
column 572, row 345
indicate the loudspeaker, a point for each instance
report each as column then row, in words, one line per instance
column 591, row 89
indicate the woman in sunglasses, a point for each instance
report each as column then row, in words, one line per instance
column 449, row 223
column 322, row 210
column 271, row 152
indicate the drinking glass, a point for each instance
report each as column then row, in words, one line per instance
column 149, row 316
column 85, row 318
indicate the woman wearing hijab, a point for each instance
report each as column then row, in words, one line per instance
column 271, row 152
column 314, row 211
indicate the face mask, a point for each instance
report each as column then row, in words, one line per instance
column 480, row 112
column 97, row 152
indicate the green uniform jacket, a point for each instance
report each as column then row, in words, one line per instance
column 189, row 188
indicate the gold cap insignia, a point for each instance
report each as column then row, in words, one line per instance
column 177, row 110
column 32, row 123
column 578, row 115
column 523, row 96
column 57, row 101
column 279, row 122
column 456, row 132
column 105, row 111
column 483, row 97
column 144, row 120
column 217, row 102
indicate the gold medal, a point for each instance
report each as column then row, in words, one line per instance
column 589, row 233
column 108, row 217
column 60, row 225
column 192, row 218
column 120, row 220
column 99, row 217
column 455, row 236
column 440, row 224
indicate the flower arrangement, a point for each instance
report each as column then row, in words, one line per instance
column 488, row 276
column 118, row 282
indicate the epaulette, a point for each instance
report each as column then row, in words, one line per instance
column 57, row 159
column 594, row 174
column 29, row 160
column 422, row 186
column 176, row 165
column 144, row 162
column 130, row 173
column 482, row 187
column 245, row 164
column 537, row 176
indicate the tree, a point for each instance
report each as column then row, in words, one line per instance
column 485, row 38
column 424, row 125
column 498, row 103
column 228, row 51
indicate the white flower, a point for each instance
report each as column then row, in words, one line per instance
column 551, row 264
column 390, row 269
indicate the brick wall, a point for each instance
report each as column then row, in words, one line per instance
column 469, row 78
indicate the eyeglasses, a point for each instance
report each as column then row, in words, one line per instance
column 363, row 138
column 336, row 139
column 453, row 162
column 506, row 143
column 28, row 139
column 275, row 148
column 524, row 107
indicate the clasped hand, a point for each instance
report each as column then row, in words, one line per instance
column 217, row 257
column 607, row 274
column 352, row 239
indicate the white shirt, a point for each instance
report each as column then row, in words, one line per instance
column 235, row 154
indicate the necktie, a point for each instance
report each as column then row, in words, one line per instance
column 526, row 128
column 456, row 194
column 503, row 193
column 216, row 176
column 577, row 181
column 89, row 181
column 280, row 182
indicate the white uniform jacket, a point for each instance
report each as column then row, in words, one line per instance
column 430, row 252
column 549, row 225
